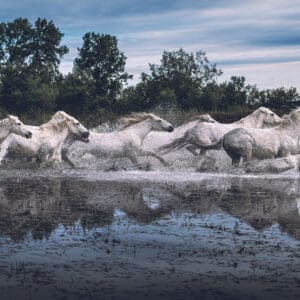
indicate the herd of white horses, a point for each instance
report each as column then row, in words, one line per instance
column 260, row 136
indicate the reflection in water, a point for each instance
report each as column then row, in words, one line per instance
column 127, row 237
column 37, row 206
column 262, row 203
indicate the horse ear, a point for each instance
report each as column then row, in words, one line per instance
column 12, row 118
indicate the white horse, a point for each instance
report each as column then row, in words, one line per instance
column 156, row 139
column 126, row 142
column 12, row 125
column 205, row 135
column 249, row 143
column 47, row 140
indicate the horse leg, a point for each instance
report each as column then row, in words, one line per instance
column 150, row 153
column 202, row 152
column 247, row 156
column 192, row 149
column 5, row 146
column 64, row 156
column 282, row 152
column 134, row 160
column 55, row 156
column 235, row 159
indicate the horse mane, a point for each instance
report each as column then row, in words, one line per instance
column 290, row 118
column 264, row 109
column 202, row 117
column 294, row 111
column 57, row 122
column 253, row 115
column 134, row 118
column 6, row 121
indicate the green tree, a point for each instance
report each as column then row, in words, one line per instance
column 211, row 96
column 26, row 93
column 15, row 42
column 36, row 48
column 237, row 93
column 280, row 98
column 45, row 49
column 29, row 59
column 103, row 63
column 184, row 73
column 74, row 95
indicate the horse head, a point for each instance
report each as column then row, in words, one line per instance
column 269, row 118
column 74, row 126
column 159, row 124
column 14, row 125
column 154, row 122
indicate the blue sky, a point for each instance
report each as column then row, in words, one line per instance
column 257, row 39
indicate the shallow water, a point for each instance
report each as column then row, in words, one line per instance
column 148, row 235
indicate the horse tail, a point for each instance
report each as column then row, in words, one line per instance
column 176, row 144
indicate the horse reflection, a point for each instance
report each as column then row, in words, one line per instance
column 258, row 202
column 37, row 206
column 104, row 197
column 265, row 202
column 30, row 206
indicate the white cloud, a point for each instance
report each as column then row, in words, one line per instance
column 267, row 75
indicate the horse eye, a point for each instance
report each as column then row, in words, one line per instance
column 159, row 121
column 19, row 124
column 77, row 124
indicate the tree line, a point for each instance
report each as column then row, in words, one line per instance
column 32, row 86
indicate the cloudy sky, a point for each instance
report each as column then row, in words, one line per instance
column 257, row 39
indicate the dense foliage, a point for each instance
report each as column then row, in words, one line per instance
column 32, row 87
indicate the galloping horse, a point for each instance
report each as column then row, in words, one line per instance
column 204, row 135
column 47, row 140
column 126, row 142
column 156, row 139
column 249, row 143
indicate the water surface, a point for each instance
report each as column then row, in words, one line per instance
column 148, row 235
